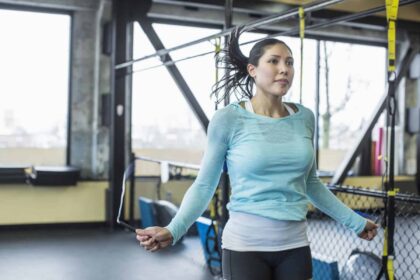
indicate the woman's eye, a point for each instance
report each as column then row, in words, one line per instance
column 273, row 61
column 290, row 62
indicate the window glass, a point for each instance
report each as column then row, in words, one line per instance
column 163, row 125
column 352, row 80
column 34, row 87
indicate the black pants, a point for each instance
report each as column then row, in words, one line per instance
column 293, row 264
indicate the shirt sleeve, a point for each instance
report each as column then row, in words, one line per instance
column 323, row 199
column 198, row 196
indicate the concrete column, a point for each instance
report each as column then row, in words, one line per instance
column 90, row 78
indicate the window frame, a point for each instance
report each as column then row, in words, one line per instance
column 56, row 11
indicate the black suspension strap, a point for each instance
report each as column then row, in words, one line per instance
column 388, row 250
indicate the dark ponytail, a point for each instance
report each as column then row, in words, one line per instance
column 234, row 62
column 236, row 78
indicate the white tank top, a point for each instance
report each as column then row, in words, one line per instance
column 249, row 232
column 248, row 107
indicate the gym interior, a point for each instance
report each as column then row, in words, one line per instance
column 104, row 110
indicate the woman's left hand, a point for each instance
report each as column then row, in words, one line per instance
column 370, row 230
column 154, row 238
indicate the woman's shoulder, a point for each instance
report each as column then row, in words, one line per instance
column 297, row 107
column 223, row 124
column 229, row 111
column 226, row 116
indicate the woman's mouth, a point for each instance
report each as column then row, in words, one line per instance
column 282, row 81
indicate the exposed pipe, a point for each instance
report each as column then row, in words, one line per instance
column 293, row 31
column 266, row 20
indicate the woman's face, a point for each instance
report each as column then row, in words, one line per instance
column 274, row 73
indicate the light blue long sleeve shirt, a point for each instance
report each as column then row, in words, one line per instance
column 271, row 167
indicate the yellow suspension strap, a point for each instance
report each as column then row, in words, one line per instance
column 389, row 240
column 391, row 16
column 212, row 248
column 388, row 251
column 217, row 50
column 302, row 36
column 215, row 201
column 384, row 223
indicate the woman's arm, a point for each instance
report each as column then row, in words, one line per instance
column 198, row 196
column 323, row 199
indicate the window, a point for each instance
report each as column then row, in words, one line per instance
column 165, row 127
column 356, row 82
column 34, row 87
column 163, row 124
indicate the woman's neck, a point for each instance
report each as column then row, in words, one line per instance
column 268, row 106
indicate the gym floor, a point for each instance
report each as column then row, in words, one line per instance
column 99, row 253
column 90, row 254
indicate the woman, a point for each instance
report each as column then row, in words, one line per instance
column 267, row 145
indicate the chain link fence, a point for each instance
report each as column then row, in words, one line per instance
column 341, row 254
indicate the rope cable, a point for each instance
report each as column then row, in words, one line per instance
column 302, row 37
column 283, row 33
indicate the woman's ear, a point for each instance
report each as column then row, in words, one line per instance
column 251, row 70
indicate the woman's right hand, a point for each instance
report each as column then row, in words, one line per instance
column 154, row 238
column 370, row 230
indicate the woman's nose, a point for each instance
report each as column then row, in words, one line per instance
column 282, row 68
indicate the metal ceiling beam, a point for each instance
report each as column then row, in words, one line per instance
column 374, row 19
column 219, row 8
column 173, row 70
column 74, row 5
column 359, row 15
column 324, row 31
column 212, row 14
column 260, row 22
